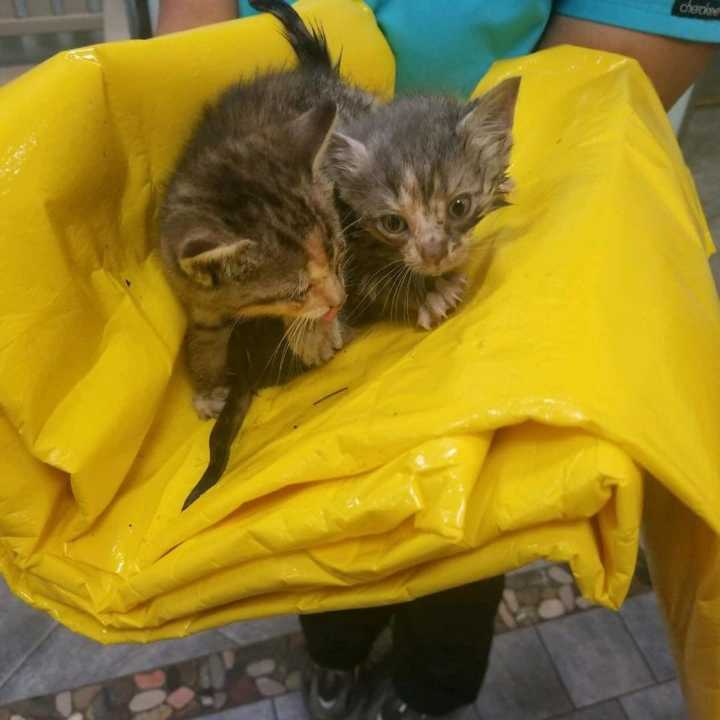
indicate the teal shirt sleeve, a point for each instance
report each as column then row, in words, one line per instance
column 442, row 46
column 447, row 47
column 697, row 20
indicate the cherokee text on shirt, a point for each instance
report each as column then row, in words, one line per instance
column 707, row 10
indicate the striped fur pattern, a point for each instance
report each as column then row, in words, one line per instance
column 249, row 228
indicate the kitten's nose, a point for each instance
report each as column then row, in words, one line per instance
column 433, row 249
column 334, row 292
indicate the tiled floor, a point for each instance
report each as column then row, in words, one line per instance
column 38, row 656
column 596, row 665
column 590, row 665
column 41, row 658
column 593, row 666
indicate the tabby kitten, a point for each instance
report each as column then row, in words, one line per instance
column 414, row 178
column 248, row 226
column 250, row 237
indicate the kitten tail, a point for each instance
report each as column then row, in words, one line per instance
column 309, row 44
column 223, row 433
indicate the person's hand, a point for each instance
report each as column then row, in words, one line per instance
column 673, row 65
column 176, row 15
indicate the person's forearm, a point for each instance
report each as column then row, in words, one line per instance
column 176, row 15
column 672, row 65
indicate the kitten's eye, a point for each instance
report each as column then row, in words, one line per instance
column 459, row 206
column 393, row 224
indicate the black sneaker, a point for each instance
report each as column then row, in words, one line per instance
column 388, row 706
column 331, row 694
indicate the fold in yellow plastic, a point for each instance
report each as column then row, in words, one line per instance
column 587, row 353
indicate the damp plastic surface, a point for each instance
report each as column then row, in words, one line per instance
column 585, row 358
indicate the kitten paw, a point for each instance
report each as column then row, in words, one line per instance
column 452, row 288
column 319, row 343
column 210, row 405
column 440, row 302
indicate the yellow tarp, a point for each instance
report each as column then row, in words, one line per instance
column 587, row 353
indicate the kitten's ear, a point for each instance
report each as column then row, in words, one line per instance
column 204, row 257
column 493, row 111
column 487, row 126
column 349, row 156
column 310, row 133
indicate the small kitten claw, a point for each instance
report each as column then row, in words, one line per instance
column 320, row 343
column 443, row 300
column 452, row 288
column 209, row 405
column 424, row 319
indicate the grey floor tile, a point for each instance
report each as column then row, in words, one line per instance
column 257, row 711
column 67, row 660
column 604, row 711
column 642, row 616
column 521, row 683
column 715, row 259
column 595, row 655
column 700, row 148
column 291, row 707
column 661, row 702
column 252, row 631
column 22, row 629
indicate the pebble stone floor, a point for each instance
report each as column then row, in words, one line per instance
column 555, row 657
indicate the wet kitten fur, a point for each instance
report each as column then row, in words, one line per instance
column 445, row 163
column 432, row 164
column 248, row 226
column 414, row 178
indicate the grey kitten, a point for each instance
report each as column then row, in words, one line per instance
column 248, row 226
column 414, row 178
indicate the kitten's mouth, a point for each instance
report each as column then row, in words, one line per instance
column 330, row 315
column 436, row 269
column 326, row 314
column 444, row 265
column 432, row 272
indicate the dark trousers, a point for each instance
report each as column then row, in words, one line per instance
column 441, row 643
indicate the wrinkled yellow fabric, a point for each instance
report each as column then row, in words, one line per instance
column 586, row 355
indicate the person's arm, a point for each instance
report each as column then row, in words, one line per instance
column 672, row 65
column 176, row 15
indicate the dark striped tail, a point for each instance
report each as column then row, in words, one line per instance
column 309, row 44
column 223, row 433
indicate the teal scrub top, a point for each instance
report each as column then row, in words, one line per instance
column 448, row 45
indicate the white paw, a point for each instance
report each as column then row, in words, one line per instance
column 440, row 302
column 319, row 343
column 210, row 405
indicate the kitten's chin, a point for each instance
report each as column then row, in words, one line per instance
column 438, row 269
